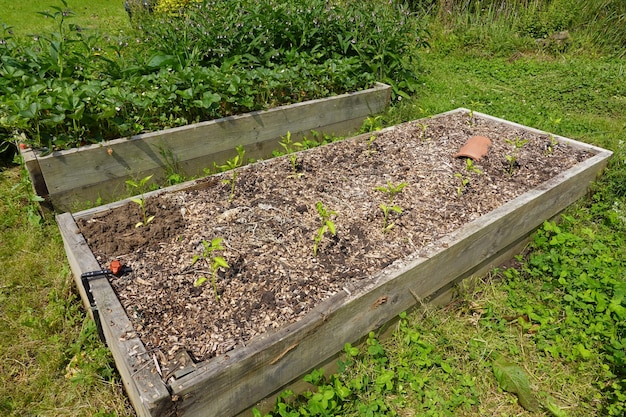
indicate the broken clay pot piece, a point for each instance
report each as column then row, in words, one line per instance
column 475, row 148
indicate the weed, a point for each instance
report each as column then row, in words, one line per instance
column 215, row 262
column 141, row 201
column 512, row 158
column 327, row 225
column 232, row 164
column 372, row 124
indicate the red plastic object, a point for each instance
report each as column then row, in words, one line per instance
column 116, row 267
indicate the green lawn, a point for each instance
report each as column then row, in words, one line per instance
column 24, row 18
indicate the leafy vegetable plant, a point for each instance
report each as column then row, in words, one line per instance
column 72, row 87
column 215, row 262
column 327, row 225
column 391, row 190
column 141, row 201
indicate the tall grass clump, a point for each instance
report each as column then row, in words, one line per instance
column 504, row 27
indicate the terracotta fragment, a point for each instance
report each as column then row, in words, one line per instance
column 475, row 148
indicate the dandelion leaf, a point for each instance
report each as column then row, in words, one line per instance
column 511, row 378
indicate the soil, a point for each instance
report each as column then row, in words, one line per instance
column 268, row 229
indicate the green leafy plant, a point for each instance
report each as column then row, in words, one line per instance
column 387, row 226
column 465, row 179
column 471, row 167
column 232, row 164
column 370, row 125
column 512, row 158
column 471, row 120
column 141, row 201
column 291, row 148
column 391, row 191
column 215, row 262
column 327, row 225
column 370, row 145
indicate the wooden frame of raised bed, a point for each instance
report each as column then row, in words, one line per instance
column 92, row 172
column 229, row 384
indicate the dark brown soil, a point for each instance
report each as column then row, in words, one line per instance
column 268, row 229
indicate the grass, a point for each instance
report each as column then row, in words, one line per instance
column 50, row 359
column 24, row 19
column 564, row 331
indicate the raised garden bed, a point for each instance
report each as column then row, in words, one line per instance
column 279, row 309
column 86, row 174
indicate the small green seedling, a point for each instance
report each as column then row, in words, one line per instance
column 327, row 225
column 470, row 167
column 370, row 125
column 141, row 201
column 391, row 191
column 551, row 145
column 386, row 210
column 231, row 164
column 465, row 180
column 471, row 121
column 423, row 128
column 370, row 144
column 512, row 157
column 215, row 262
column 290, row 149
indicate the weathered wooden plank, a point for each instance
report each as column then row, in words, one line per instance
column 146, row 390
column 99, row 171
column 221, row 387
column 34, row 172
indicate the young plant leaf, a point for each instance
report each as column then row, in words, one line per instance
column 199, row 281
column 219, row 261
